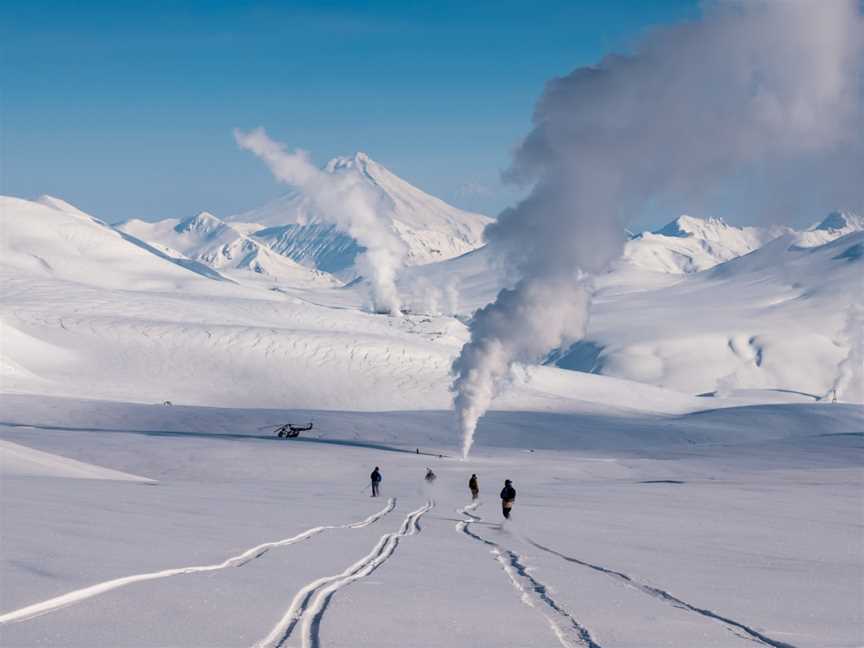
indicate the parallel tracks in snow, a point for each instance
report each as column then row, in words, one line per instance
column 569, row 632
column 666, row 597
column 310, row 602
column 77, row 596
column 561, row 620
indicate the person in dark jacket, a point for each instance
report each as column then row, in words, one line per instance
column 430, row 476
column 376, row 479
column 474, row 487
column 508, row 495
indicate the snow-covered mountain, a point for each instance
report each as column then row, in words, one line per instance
column 431, row 229
column 833, row 226
column 690, row 244
column 209, row 240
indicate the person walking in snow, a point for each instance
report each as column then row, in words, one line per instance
column 430, row 476
column 508, row 495
column 376, row 479
column 474, row 487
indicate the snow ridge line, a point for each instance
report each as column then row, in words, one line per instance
column 668, row 598
column 310, row 610
column 565, row 627
column 76, row 596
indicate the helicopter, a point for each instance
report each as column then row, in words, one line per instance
column 291, row 431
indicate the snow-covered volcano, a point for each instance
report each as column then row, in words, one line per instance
column 432, row 230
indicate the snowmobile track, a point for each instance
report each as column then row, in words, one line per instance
column 569, row 632
column 77, row 596
column 669, row 598
column 310, row 602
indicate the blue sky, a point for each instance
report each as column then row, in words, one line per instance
column 126, row 109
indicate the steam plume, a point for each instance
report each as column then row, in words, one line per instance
column 752, row 86
column 849, row 383
column 348, row 203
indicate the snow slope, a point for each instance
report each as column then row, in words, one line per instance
column 17, row 460
column 773, row 318
column 431, row 229
column 54, row 240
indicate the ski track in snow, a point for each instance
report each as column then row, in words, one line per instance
column 310, row 602
column 569, row 632
column 669, row 598
column 77, row 596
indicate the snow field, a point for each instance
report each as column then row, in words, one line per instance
column 727, row 540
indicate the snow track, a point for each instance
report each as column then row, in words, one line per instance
column 71, row 598
column 569, row 632
column 309, row 604
column 669, row 598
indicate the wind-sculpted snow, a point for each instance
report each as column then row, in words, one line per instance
column 611, row 138
column 352, row 205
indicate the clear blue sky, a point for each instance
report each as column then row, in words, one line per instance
column 126, row 109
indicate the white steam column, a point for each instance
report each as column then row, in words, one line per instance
column 751, row 88
column 353, row 207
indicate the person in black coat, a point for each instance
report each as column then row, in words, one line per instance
column 376, row 479
column 474, row 487
column 508, row 496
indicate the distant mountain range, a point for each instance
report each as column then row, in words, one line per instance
column 690, row 244
column 288, row 237
column 272, row 240
column 698, row 306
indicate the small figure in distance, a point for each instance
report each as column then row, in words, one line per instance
column 430, row 476
column 474, row 487
column 508, row 495
column 376, row 479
